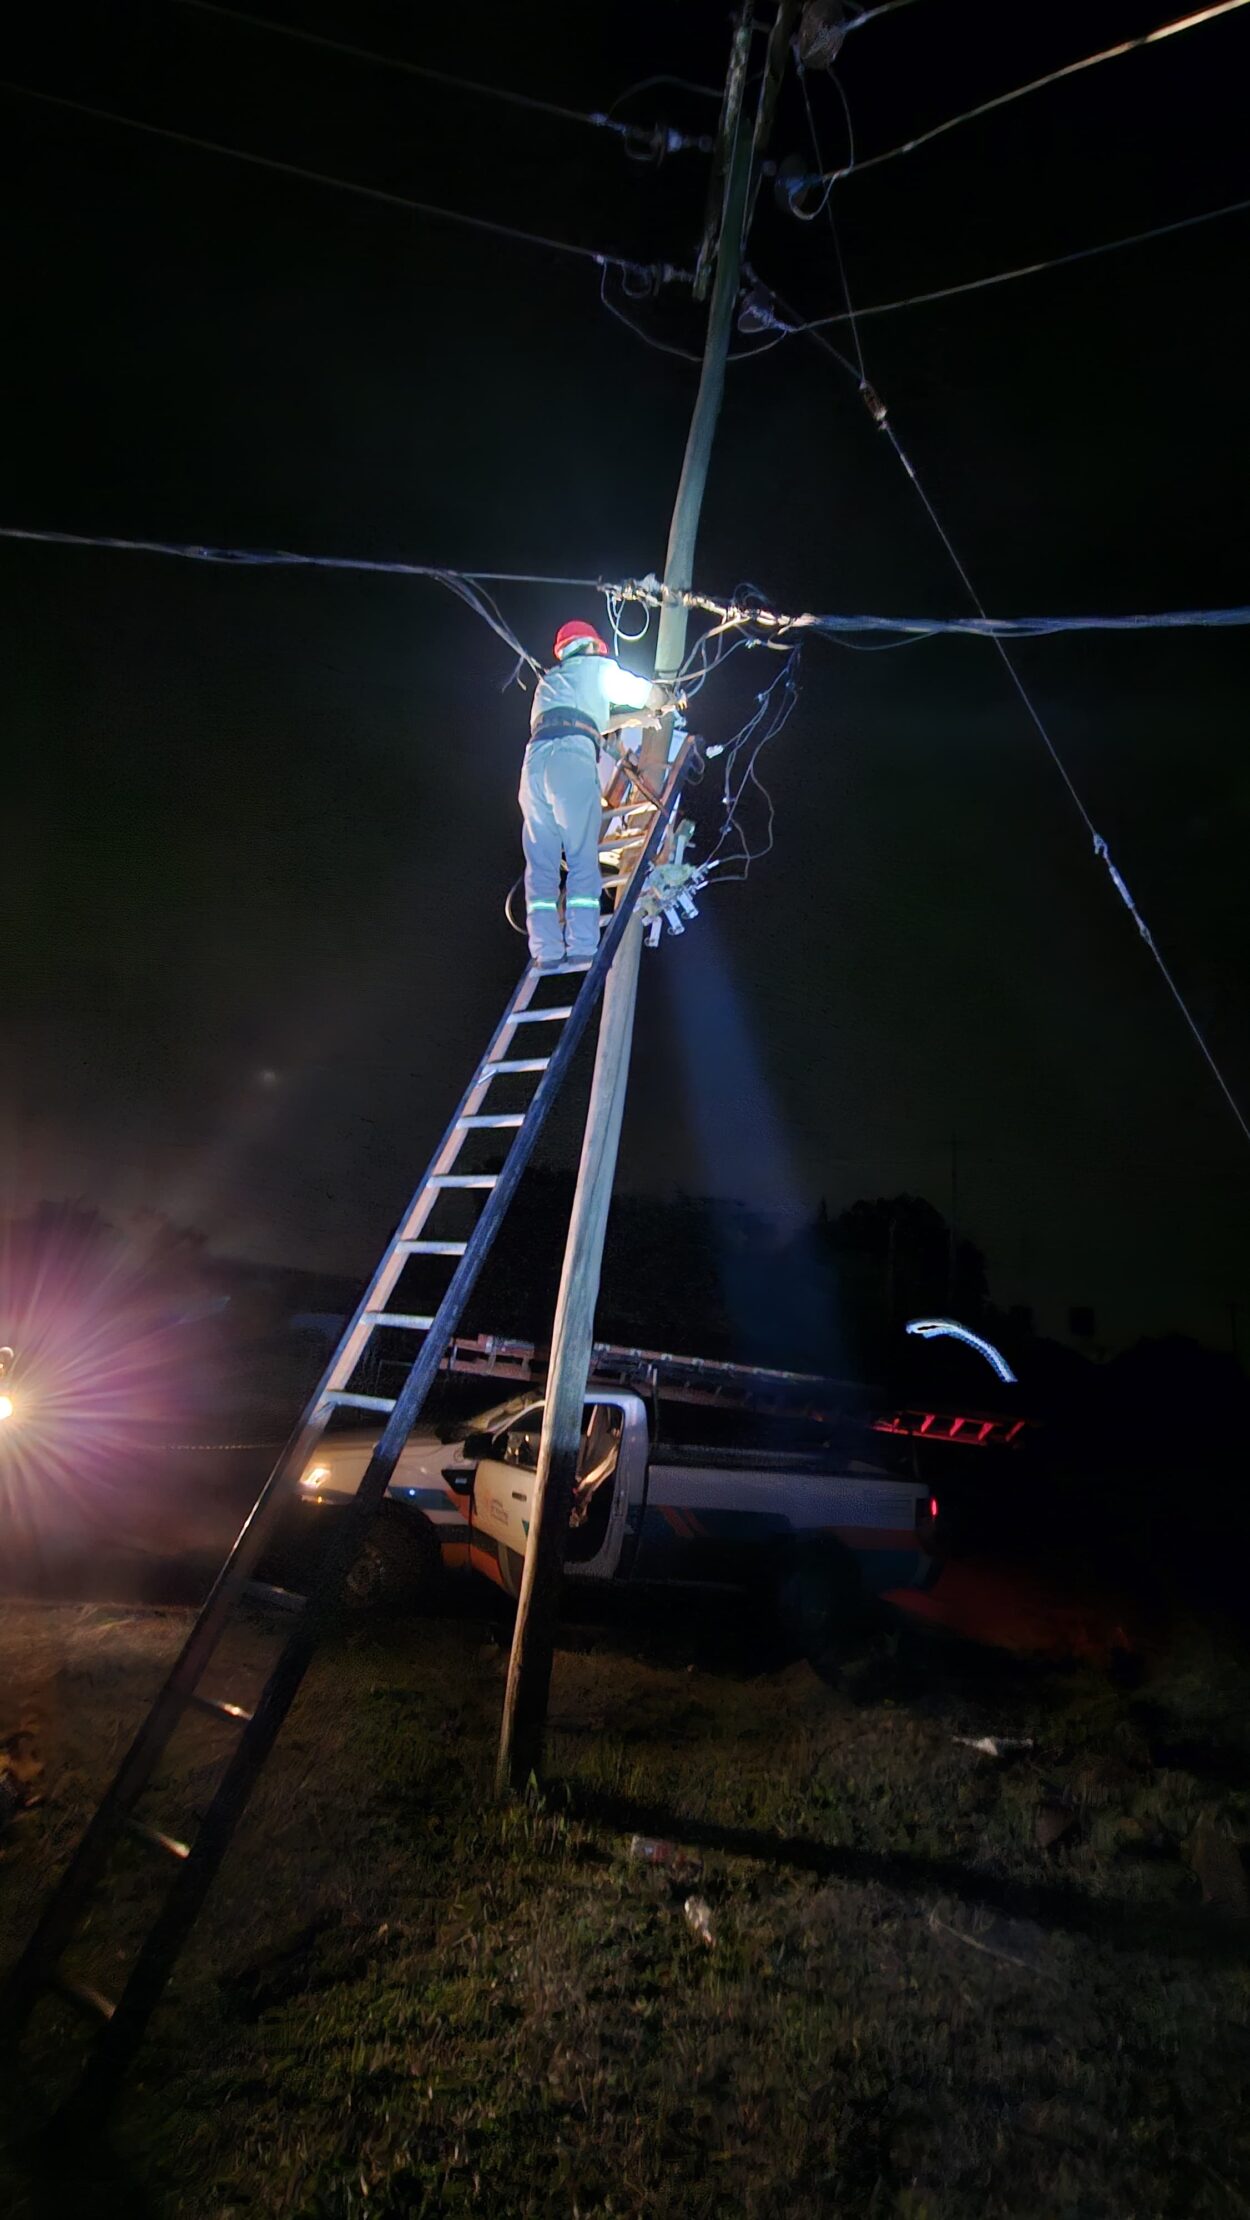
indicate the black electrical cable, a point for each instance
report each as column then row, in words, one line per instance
column 880, row 416
column 1019, row 92
column 337, row 184
column 773, row 631
column 673, row 141
column 1026, row 269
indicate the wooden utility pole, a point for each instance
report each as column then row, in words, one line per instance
column 529, row 1672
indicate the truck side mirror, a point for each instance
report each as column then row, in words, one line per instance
column 478, row 1445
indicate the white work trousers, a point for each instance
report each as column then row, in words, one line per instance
column 560, row 808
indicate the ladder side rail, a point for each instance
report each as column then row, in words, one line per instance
column 355, row 1336
column 153, row 1735
column 60, row 1913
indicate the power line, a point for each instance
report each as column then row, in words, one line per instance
column 1033, row 628
column 657, row 136
column 260, row 558
column 827, row 204
column 884, row 7
column 661, row 273
column 1027, row 269
column 880, row 415
column 747, row 616
column 1018, row 92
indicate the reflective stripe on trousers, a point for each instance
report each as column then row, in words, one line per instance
column 559, row 799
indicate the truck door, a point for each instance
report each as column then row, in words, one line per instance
column 503, row 1490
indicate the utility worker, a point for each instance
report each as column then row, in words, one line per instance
column 574, row 703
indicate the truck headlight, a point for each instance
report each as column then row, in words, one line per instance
column 6, row 1406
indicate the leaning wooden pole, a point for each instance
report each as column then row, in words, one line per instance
column 529, row 1672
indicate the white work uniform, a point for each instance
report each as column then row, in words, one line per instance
column 560, row 799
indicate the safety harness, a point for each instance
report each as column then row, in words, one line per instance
column 560, row 724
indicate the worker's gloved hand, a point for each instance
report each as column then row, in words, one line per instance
column 660, row 698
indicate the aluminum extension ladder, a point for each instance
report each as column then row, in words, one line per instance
column 249, row 1731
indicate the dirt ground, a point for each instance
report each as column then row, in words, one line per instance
column 938, row 1983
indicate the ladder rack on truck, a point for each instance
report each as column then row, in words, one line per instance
column 744, row 1387
column 679, row 1379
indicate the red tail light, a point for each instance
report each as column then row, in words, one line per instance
column 933, row 1510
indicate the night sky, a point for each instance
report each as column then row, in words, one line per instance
column 259, row 825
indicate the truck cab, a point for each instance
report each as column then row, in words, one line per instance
column 614, row 1448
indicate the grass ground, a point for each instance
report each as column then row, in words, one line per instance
column 940, row 1983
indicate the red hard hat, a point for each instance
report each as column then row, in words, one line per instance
column 577, row 629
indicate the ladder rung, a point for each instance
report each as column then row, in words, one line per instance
column 156, row 1840
column 91, row 2001
column 522, row 1063
column 465, row 1179
column 430, row 1248
column 506, row 1120
column 347, row 1401
column 412, row 1321
column 556, row 1014
column 233, row 1714
column 277, row 1599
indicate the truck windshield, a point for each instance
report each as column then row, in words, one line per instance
column 492, row 1421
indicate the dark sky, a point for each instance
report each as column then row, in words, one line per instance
column 259, row 825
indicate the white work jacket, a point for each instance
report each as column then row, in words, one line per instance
column 591, row 686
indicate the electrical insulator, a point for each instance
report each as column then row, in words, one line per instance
column 822, row 28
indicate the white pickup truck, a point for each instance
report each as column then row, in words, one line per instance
column 781, row 1506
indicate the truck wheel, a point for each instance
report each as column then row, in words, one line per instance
column 398, row 1566
column 822, row 1606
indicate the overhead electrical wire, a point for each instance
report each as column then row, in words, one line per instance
column 1023, row 270
column 661, row 272
column 1102, row 852
column 673, row 141
column 736, row 615
column 1034, row 628
column 869, row 15
column 1020, row 92
column 827, row 205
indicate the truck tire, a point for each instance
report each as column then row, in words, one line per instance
column 821, row 1605
column 398, row 1568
